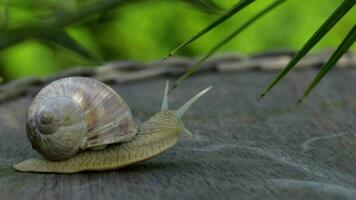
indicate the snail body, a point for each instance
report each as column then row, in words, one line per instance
column 154, row 136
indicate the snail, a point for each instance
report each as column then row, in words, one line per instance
column 81, row 124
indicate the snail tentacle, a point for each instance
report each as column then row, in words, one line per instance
column 182, row 110
column 165, row 97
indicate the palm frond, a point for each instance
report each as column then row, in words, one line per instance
column 344, row 7
column 341, row 50
column 226, row 15
column 231, row 36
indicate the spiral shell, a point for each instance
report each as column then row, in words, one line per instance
column 77, row 113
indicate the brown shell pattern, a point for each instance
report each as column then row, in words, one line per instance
column 108, row 117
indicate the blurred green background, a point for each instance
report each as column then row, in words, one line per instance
column 148, row 30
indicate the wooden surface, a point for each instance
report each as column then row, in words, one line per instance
column 242, row 148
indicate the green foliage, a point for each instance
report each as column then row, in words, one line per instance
column 63, row 39
column 146, row 30
column 227, row 39
column 316, row 37
column 232, row 11
column 337, row 15
column 341, row 50
column 47, row 21
column 51, row 30
column 206, row 6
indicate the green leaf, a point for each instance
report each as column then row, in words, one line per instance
column 236, row 8
column 206, row 5
column 61, row 38
column 341, row 50
column 317, row 36
column 231, row 36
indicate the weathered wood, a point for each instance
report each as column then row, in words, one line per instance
column 242, row 148
column 129, row 71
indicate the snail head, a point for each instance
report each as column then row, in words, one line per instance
column 179, row 113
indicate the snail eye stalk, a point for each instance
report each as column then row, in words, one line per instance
column 165, row 98
column 181, row 111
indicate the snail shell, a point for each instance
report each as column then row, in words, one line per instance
column 77, row 113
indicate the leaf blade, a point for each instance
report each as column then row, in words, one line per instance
column 63, row 39
column 341, row 50
column 315, row 38
column 237, row 31
column 236, row 8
